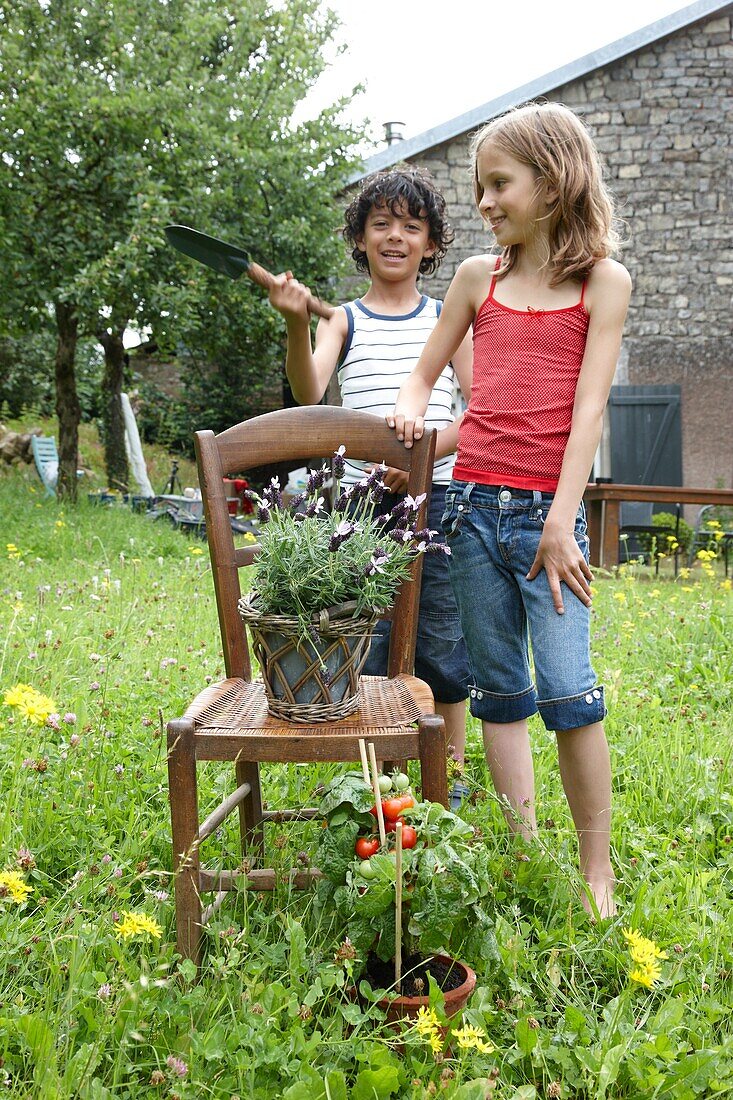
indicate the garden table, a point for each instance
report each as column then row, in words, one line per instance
column 603, row 501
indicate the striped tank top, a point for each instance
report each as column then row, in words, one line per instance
column 379, row 354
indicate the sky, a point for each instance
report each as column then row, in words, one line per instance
column 427, row 62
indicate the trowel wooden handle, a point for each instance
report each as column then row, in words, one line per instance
column 266, row 280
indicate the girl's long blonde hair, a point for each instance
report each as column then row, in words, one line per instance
column 552, row 140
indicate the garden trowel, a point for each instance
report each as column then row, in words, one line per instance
column 229, row 260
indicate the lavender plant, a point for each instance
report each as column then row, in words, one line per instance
column 311, row 559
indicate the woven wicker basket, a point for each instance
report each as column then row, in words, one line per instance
column 316, row 680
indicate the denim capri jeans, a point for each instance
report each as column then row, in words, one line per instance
column 493, row 532
column 441, row 659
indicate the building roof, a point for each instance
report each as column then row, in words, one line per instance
column 470, row 120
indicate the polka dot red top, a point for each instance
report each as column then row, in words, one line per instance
column 525, row 370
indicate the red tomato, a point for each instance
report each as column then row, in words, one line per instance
column 366, row 846
column 393, row 807
column 409, row 836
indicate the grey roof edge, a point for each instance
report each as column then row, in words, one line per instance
column 574, row 70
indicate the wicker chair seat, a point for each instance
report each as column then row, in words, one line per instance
column 231, row 715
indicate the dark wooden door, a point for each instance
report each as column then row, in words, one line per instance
column 646, row 435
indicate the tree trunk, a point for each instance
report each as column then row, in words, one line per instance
column 68, row 409
column 115, row 455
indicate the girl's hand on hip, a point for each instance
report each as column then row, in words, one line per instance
column 407, row 430
column 562, row 560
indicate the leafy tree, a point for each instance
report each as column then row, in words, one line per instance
column 120, row 116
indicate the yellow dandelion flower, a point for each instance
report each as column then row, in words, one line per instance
column 14, row 696
column 436, row 1042
column 687, row 588
column 620, row 596
column 137, row 924
column 14, row 886
column 712, row 524
column 469, row 1037
column 645, row 954
column 197, row 550
column 727, row 584
column 426, row 1021
column 646, row 974
column 655, row 592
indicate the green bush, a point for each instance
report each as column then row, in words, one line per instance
column 667, row 519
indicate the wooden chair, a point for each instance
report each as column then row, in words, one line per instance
column 636, row 519
column 229, row 721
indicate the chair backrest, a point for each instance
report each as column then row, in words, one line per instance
column 295, row 435
column 47, row 460
column 636, row 513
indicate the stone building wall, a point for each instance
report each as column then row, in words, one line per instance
column 662, row 118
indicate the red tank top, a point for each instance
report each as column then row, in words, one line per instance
column 525, row 371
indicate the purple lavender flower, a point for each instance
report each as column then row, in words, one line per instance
column 343, row 498
column 400, row 535
column 296, row 502
column 438, row 548
column 339, row 466
column 343, row 531
column 378, row 559
column 316, row 478
column 314, row 507
column 263, row 512
column 377, row 474
column 272, row 494
column 377, row 492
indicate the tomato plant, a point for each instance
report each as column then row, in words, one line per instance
column 447, row 886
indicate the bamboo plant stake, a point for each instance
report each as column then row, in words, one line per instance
column 377, row 794
column 364, row 763
column 398, row 911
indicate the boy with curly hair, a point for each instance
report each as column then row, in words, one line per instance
column 397, row 230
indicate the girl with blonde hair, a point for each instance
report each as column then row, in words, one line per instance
column 547, row 315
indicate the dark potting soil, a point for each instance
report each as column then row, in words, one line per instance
column 415, row 970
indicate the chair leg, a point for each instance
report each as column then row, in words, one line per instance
column 433, row 759
column 185, row 827
column 251, row 829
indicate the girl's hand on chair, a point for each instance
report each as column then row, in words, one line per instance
column 407, row 430
column 559, row 555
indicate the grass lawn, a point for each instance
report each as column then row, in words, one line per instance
column 112, row 617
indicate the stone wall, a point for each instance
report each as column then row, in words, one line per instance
column 662, row 118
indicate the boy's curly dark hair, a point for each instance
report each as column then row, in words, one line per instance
column 404, row 186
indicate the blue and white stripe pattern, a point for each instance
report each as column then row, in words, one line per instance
column 380, row 352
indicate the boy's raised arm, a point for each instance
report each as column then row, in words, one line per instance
column 308, row 369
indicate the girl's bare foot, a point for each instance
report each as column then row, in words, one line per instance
column 600, row 890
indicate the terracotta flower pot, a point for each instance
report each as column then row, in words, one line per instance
column 407, row 1008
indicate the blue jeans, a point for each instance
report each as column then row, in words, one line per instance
column 440, row 654
column 493, row 532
